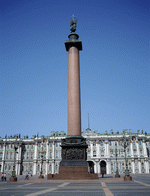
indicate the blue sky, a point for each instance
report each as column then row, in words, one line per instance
column 114, row 65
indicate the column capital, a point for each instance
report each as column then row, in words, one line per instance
column 73, row 42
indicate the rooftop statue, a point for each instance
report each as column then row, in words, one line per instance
column 73, row 24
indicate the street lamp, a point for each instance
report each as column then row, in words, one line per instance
column 13, row 176
column 127, row 176
column 117, row 172
column 42, row 152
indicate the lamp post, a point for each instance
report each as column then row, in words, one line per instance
column 13, row 176
column 127, row 176
column 117, row 172
column 41, row 171
column 4, row 156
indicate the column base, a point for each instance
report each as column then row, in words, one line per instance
column 12, row 179
column 41, row 177
column 117, row 176
column 72, row 173
column 74, row 151
column 127, row 178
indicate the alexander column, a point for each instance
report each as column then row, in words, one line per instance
column 74, row 163
column 73, row 46
column 74, row 146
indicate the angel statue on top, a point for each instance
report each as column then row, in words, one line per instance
column 73, row 24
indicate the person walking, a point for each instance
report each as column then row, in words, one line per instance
column 5, row 176
column 2, row 177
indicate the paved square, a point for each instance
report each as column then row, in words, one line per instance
column 107, row 186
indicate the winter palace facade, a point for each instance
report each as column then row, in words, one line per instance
column 107, row 149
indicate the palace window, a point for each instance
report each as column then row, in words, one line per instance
column 102, row 153
column 134, row 151
column 39, row 145
column 88, row 152
column 102, row 143
column 27, row 146
column 44, row 155
column 141, row 152
column 115, row 143
column 88, row 143
column 31, row 155
column 56, row 154
column 94, row 143
column 5, row 166
column 111, row 153
column 56, row 144
column 1, row 146
column 44, row 145
column 10, row 155
column 9, row 167
column 94, row 153
column 50, row 168
column 50, row 144
column 50, row 154
column 31, row 146
column 122, row 153
column 133, row 143
column 27, row 156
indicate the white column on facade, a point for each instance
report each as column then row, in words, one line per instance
column 131, row 147
column 107, row 167
column 105, row 146
column 144, row 149
column 47, row 147
column 95, row 167
column 145, row 166
column 18, row 160
column 91, row 149
column 35, row 159
column 98, row 167
column 3, row 157
column 139, row 166
column 98, row 149
column 147, row 163
column 35, row 152
column 133, row 166
column 108, row 153
column 53, row 165
column 137, row 146
column 53, row 151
